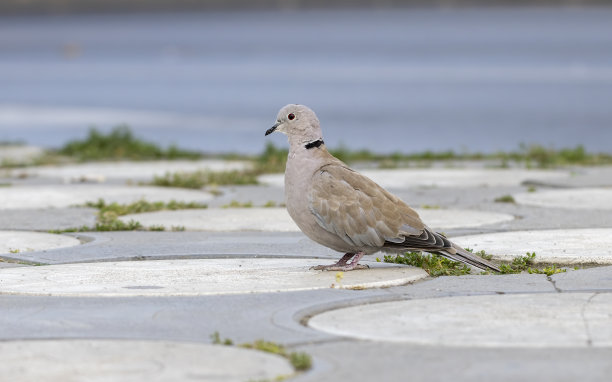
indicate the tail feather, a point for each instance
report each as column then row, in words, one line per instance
column 469, row 258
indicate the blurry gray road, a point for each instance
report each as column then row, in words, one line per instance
column 479, row 80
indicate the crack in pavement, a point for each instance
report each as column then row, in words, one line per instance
column 589, row 342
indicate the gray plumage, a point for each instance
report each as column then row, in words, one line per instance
column 341, row 209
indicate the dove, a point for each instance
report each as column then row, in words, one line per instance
column 341, row 209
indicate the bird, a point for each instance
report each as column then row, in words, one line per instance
column 346, row 211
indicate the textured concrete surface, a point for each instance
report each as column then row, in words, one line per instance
column 485, row 307
column 572, row 199
column 567, row 246
column 278, row 220
column 144, row 171
column 16, row 242
column 197, row 277
column 113, row 360
column 33, row 197
column 437, row 177
column 47, row 219
column 516, row 320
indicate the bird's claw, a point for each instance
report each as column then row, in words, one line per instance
column 340, row 268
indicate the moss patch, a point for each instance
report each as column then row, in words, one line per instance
column 434, row 265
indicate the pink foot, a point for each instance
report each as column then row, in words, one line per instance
column 342, row 264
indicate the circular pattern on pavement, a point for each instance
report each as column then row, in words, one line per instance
column 126, row 360
column 15, row 242
column 561, row 246
column 196, row 277
column 521, row 320
column 278, row 219
column 436, row 177
column 30, row 197
column 579, row 199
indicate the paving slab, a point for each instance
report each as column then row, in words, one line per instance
column 581, row 177
column 145, row 245
column 278, row 219
column 146, row 170
column 436, row 177
column 19, row 153
column 562, row 246
column 196, row 277
column 592, row 279
column 353, row 360
column 580, row 198
column 47, row 219
column 577, row 320
column 54, row 196
column 122, row 360
column 16, row 242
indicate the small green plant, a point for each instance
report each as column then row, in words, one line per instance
column 270, row 204
column 433, row 264
column 481, row 253
column 430, row 207
column 299, row 360
column 177, row 228
column 548, row 271
column 237, row 204
column 216, row 340
column 157, row 228
column 519, row 264
column 531, row 189
column 505, row 199
column 16, row 250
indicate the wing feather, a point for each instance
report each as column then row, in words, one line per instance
column 358, row 210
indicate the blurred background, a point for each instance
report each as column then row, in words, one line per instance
column 472, row 76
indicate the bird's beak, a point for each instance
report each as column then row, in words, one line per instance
column 271, row 130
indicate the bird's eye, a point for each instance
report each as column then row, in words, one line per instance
column 291, row 116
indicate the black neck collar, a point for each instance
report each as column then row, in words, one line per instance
column 312, row 144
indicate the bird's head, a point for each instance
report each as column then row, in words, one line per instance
column 299, row 123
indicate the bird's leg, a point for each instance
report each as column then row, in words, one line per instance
column 342, row 264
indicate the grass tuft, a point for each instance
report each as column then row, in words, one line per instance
column 120, row 144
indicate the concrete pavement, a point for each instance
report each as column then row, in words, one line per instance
column 138, row 299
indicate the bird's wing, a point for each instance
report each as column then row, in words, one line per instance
column 361, row 212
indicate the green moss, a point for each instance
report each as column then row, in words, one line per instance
column 142, row 206
column 237, row 204
column 299, row 360
column 430, row 207
column 548, row 271
column 108, row 215
column 199, row 179
column 505, row 199
column 433, row 264
column 121, row 144
column 216, row 340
